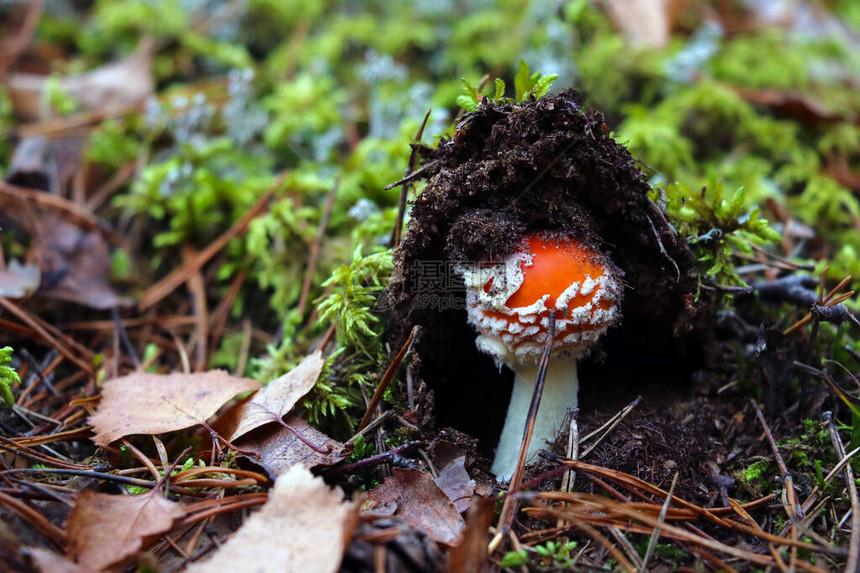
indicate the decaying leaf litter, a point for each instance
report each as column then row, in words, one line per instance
column 679, row 478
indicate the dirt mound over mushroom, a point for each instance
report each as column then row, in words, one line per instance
column 510, row 170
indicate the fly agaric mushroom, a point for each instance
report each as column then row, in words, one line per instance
column 509, row 303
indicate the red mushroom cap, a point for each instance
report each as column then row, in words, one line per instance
column 509, row 303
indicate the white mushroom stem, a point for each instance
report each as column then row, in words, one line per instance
column 559, row 395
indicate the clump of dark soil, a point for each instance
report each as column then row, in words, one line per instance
column 516, row 169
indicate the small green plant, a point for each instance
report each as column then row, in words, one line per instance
column 527, row 85
column 551, row 556
column 327, row 398
column 198, row 192
column 8, row 376
column 514, row 559
column 361, row 449
column 557, row 553
column 716, row 226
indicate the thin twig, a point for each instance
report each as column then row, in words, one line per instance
column 196, row 286
column 662, row 248
column 404, row 189
column 655, row 537
column 50, row 335
column 39, row 522
column 385, row 457
column 611, row 422
column 783, row 469
column 171, row 282
column 386, row 380
column 376, row 421
column 37, row 370
column 509, row 507
column 102, row 476
column 852, row 565
column 123, row 337
column 412, row 176
column 572, row 450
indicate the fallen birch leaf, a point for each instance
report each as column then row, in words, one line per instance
column 142, row 403
column 277, row 398
column 303, row 528
column 280, row 448
column 418, row 501
column 107, row 529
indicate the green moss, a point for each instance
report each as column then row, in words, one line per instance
column 756, row 471
column 351, row 306
column 716, row 226
column 113, row 144
column 765, row 60
column 8, row 377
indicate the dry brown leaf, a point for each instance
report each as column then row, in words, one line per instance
column 48, row 165
column 303, row 528
column 78, row 261
column 417, row 500
column 50, row 562
column 143, row 403
column 453, row 478
column 279, row 396
column 106, row 529
column 280, row 448
column 69, row 246
column 112, row 87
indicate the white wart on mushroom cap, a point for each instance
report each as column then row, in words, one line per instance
column 509, row 303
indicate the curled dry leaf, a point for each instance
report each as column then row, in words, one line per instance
column 143, row 403
column 302, row 528
column 278, row 397
column 107, row 529
column 45, row 164
column 453, row 478
column 280, row 448
column 413, row 496
column 78, row 261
